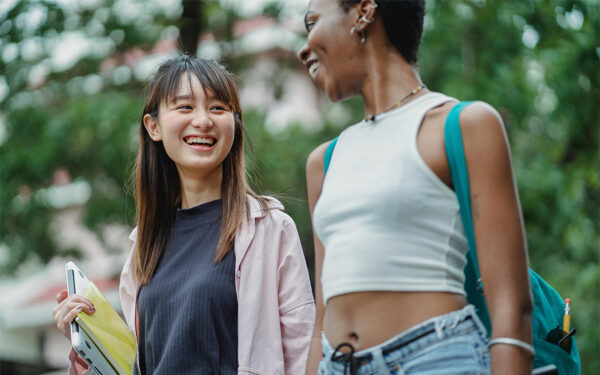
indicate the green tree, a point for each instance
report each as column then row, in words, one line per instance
column 65, row 107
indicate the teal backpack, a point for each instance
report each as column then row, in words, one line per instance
column 548, row 306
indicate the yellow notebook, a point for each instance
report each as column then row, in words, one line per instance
column 106, row 328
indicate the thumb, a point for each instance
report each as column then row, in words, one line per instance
column 62, row 295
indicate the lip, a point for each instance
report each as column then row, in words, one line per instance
column 309, row 63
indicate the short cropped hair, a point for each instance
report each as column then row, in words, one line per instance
column 403, row 23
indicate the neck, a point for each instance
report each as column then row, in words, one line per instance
column 198, row 189
column 389, row 79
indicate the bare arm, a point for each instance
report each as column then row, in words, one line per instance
column 500, row 236
column 314, row 181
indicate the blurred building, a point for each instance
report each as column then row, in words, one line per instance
column 29, row 341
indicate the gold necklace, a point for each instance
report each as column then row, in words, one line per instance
column 397, row 104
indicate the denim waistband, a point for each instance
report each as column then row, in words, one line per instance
column 442, row 326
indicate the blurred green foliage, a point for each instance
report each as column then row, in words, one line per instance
column 536, row 61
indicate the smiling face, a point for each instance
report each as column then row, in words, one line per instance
column 331, row 54
column 196, row 129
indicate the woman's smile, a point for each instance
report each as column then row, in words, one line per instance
column 200, row 142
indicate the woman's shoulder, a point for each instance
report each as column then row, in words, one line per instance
column 482, row 126
column 315, row 158
column 315, row 161
column 479, row 114
column 260, row 205
column 270, row 213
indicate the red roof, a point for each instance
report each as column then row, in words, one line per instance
column 51, row 292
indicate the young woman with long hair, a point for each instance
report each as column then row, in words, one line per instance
column 389, row 243
column 216, row 280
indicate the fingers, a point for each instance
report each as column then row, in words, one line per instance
column 75, row 299
column 62, row 295
column 67, row 309
column 70, row 316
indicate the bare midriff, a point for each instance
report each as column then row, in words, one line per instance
column 366, row 319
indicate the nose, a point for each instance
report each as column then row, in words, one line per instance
column 303, row 53
column 202, row 120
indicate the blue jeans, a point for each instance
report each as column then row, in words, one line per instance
column 453, row 343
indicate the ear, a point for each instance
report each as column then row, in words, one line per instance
column 365, row 14
column 152, row 127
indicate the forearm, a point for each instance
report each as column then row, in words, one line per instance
column 508, row 359
column 511, row 320
column 315, row 354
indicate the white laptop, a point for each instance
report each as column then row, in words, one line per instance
column 101, row 339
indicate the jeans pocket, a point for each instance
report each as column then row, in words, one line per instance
column 465, row 354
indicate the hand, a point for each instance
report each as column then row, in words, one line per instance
column 67, row 309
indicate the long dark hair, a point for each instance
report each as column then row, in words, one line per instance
column 158, row 188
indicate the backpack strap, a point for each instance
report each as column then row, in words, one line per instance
column 460, row 175
column 328, row 153
column 460, row 180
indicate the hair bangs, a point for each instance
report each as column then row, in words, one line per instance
column 218, row 81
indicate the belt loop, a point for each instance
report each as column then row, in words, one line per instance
column 382, row 367
column 439, row 327
column 457, row 319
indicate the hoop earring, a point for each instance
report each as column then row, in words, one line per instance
column 362, row 34
column 365, row 20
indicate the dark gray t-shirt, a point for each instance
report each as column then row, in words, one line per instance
column 188, row 311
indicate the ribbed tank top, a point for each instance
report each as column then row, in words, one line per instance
column 188, row 311
column 387, row 222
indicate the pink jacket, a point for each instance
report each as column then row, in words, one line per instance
column 276, row 307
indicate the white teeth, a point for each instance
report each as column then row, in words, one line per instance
column 200, row 140
column 313, row 69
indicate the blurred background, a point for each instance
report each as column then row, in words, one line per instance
column 73, row 79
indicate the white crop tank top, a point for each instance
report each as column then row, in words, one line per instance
column 387, row 222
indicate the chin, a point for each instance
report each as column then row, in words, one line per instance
column 336, row 92
column 336, row 96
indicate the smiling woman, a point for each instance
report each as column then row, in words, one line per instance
column 178, row 106
column 390, row 247
column 216, row 281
